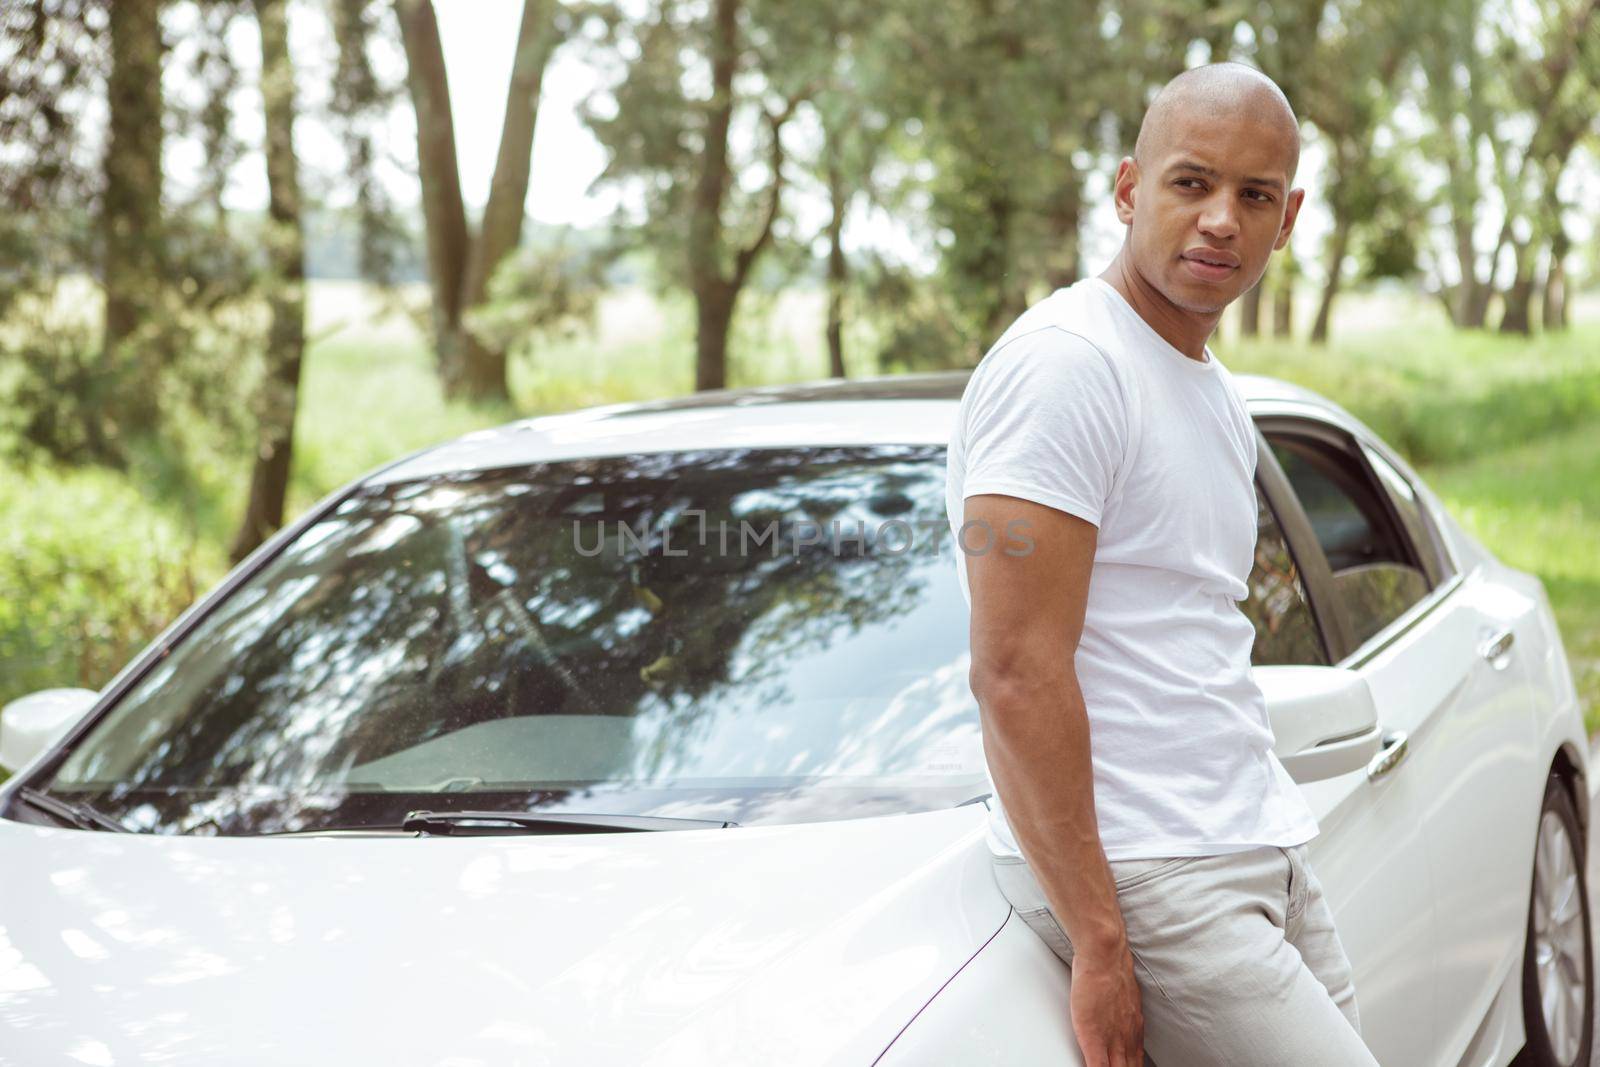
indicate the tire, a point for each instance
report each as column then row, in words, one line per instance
column 1554, row 961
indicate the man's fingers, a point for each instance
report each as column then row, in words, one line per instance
column 1096, row 1050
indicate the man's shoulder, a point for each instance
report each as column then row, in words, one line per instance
column 1045, row 353
column 1069, row 319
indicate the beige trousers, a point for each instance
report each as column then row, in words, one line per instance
column 1238, row 961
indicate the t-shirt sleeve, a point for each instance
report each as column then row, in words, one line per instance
column 1045, row 420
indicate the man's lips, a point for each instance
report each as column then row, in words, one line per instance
column 1213, row 256
column 1210, row 264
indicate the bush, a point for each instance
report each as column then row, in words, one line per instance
column 89, row 573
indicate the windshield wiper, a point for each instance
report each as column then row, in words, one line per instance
column 71, row 812
column 549, row 822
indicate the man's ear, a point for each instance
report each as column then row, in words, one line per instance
column 1122, row 189
column 1291, row 212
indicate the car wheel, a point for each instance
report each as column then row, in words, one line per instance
column 1558, row 960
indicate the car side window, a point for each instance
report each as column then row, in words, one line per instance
column 1420, row 529
column 1375, row 566
column 1286, row 632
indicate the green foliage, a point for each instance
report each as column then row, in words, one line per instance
column 1537, row 506
column 1390, row 252
column 63, row 399
column 997, row 135
column 1442, row 396
column 90, row 571
column 54, row 400
column 923, row 328
column 539, row 294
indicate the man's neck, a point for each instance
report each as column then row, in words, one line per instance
column 1184, row 330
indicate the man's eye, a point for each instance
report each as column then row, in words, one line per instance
column 1258, row 194
column 1188, row 183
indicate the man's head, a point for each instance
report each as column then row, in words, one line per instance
column 1208, row 193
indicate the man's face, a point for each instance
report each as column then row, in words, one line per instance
column 1208, row 207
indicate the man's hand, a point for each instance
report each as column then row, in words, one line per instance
column 1027, row 617
column 1107, row 1017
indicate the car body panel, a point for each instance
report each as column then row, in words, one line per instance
column 1474, row 732
column 1371, row 858
column 915, row 409
column 1008, row 1007
column 806, row 944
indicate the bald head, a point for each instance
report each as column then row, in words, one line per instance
column 1203, row 96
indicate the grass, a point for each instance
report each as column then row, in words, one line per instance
column 1507, row 430
column 369, row 392
column 1537, row 507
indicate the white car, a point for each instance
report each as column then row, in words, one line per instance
column 254, row 845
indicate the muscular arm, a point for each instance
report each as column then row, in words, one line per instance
column 1027, row 618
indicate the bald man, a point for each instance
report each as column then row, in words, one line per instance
column 1141, row 824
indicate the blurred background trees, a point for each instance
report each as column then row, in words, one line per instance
column 244, row 256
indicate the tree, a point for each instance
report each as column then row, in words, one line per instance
column 690, row 76
column 1284, row 35
column 359, row 107
column 1561, row 102
column 131, row 207
column 850, row 103
column 1459, row 101
column 269, row 477
column 460, row 264
column 1007, row 134
column 1349, row 94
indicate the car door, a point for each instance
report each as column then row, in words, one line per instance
column 1461, row 667
column 1371, row 852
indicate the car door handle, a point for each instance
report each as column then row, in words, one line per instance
column 1395, row 747
column 1497, row 646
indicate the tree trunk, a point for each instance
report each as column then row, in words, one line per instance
column 1330, row 289
column 1283, row 296
column 716, row 285
column 1518, row 301
column 443, row 213
column 131, row 212
column 838, row 271
column 1478, row 309
column 1466, row 295
column 1554, row 313
column 485, row 367
column 714, row 313
column 269, row 477
column 1066, row 211
column 1250, row 310
column 1004, row 299
column 713, row 317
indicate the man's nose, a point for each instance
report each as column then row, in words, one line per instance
column 1220, row 218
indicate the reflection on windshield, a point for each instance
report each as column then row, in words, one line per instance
column 744, row 634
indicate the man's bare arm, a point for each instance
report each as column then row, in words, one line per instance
column 1027, row 618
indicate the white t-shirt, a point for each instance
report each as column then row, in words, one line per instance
column 1082, row 406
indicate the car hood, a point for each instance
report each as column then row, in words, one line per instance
column 809, row 944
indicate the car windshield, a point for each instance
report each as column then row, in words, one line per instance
column 751, row 635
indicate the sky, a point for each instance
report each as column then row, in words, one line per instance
column 479, row 39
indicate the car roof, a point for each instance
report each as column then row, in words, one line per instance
column 889, row 409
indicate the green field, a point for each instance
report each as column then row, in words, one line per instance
column 1537, row 506
column 93, row 563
